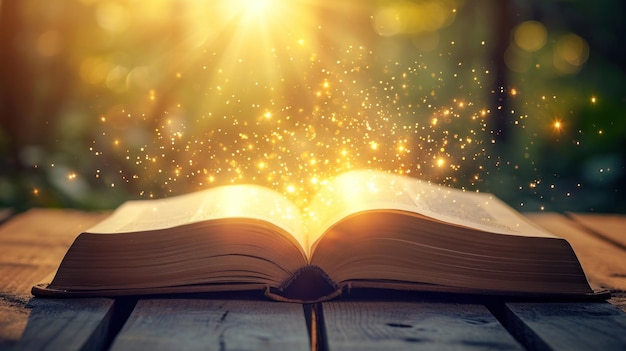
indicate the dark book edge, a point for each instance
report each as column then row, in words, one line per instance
column 380, row 288
column 311, row 284
column 43, row 289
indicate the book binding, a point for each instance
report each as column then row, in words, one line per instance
column 309, row 284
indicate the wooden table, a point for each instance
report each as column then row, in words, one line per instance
column 32, row 244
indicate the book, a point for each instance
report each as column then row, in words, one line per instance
column 362, row 229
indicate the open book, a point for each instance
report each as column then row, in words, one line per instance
column 363, row 229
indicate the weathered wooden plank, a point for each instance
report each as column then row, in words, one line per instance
column 66, row 324
column 356, row 325
column 31, row 246
column 13, row 320
column 48, row 226
column 603, row 263
column 33, row 243
column 568, row 326
column 610, row 226
column 202, row 324
column 22, row 254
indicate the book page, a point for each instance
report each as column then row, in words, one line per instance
column 235, row 201
column 358, row 191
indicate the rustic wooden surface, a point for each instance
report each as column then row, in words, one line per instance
column 31, row 247
column 66, row 324
column 603, row 262
column 166, row 324
column 568, row 326
column 32, row 244
column 606, row 226
column 391, row 325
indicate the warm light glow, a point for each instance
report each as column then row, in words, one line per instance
column 570, row 54
column 256, row 7
column 530, row 36
column 404, row 17
column 250, row 13
column 286, row 95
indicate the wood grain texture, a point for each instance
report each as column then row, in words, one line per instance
column 31, row 246
column 568, row 326
column 49, row 226
column 66, row 324
column 603, row 263
column 33, row 243
column 352, row 325
column 13, row 320
column 202, row 324
column 610, row 226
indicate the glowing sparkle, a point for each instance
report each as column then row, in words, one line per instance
column 271, row 104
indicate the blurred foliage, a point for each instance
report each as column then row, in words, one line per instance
column 74, row 72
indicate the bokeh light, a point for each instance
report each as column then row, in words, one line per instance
column 530, row 36
column 103, row 101
column 571, row 53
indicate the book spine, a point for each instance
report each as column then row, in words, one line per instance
column 309, row 284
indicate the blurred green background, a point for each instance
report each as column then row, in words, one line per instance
column 525, row 99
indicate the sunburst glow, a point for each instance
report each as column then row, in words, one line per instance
column 271, row 95
column 288, row 94
column 162, row 97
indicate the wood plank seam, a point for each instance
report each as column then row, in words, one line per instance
column 312, row 324
column 593, row 232
column 569, row 326
column 122, row 308
column 319, row 338
column 498, row 310
column 525, row 336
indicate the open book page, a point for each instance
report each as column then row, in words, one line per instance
column 235, row 201
column 372, row 190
